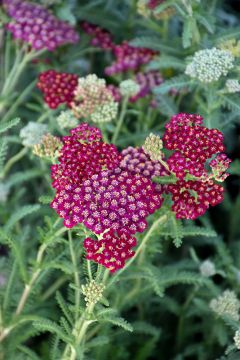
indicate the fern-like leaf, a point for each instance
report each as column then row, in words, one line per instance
column 9, row 125
column 46, row 325
column 19, row 215
column 177, row 83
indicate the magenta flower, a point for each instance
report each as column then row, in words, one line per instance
column 37, row 26
column 112, row 250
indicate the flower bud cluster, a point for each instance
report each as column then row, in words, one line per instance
column 112, row 250
column 48, row 147
column 232, row 45
column 32, row 133
column 237, row 339
column 153, row 147
column 100, row 37
column 129, row 88
column 219, row 166
column 232, row 86
column 66, row 119
column 226, row 304
column 210, row 65
column 93, row 292
column 93, row 100
column 57, row 87
column 34, row 24
column 146, row 8
column 207, row 268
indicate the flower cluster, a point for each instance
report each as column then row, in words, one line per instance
column 137, row 161
column 146, row 8
column 219, row 166
column 147, row 82
column 112, row 250
column 207, row 268
column 226, row 304
column 129, row 88
column 232, row 45
column 48, row 147
column 153, row 147
column 32, row 133
column 100, row 37
column 193, row 145
column 57, row 87
column 237, row 339
column 93, row 100
column 93, row 292
column 232, row 86
column 128, row 58
column 66, row 119
column 37, row 26
column 209, row 65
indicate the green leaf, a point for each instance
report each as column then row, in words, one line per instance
column 231, row 102
column 187, row 32
column 176, row 83
column 119, row 321
column 45, row 325
column 44, row 199
column 19, row 215
column 225, row 35
column 9, row 125
column 166, row 62
column 155, row 43
column 3, row 152
column 22, row 176
column 164, row 179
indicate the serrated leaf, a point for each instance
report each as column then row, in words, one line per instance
column 166, row 62
column 3, row 152
column 231, row 102
column 19, row 215
column 45, row 200
column 164, row 179
column 176, row 83
column 9, row 125
column 155, row 43
column 46, row 325
column 119, row 321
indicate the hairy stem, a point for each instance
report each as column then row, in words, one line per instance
column 120, row 120
column 76, row 275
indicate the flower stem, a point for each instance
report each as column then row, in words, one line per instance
column 120, row 121
column 13, row 160
column 76, row 275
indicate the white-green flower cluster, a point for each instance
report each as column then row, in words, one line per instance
column 226, row 304
column 237, row 339
column 4, row 191
column 207, row 268
column 210, row 64
column 129, row 88
column 105, row 113
column 153, row 147
column 32, row 133
column 93, row 292
column 232, row 86
column 66, row 119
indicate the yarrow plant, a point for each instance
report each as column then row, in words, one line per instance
column 119, row 130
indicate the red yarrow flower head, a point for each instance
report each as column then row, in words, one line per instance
column 112, row 250
column 57, row 87
column 193, row 144
column 147, row 81
column 82, row 155
column 34, row 24
column 191, row 199
column 100, row 37
column 128, row 58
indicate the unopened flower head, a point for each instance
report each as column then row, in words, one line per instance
column 93, row 292
column 4, row 191
column 146, row 8
column 37, row 26
column 153, row 147
column 48, row 147
column 209, row 65
column 237, row 339
column 207, row 268
column 232, row 86
column 93, row 100
column 129, row 88
column 232, row 45
column 66, row 119
column 32, row 133
column 219, row 166
column 226, row 304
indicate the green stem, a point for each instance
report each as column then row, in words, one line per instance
column 18, row 101
column 76, row 275
column 52, row 289
column 89, row 270
column 120, row 120
column 141, row 247
column 13, row 160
